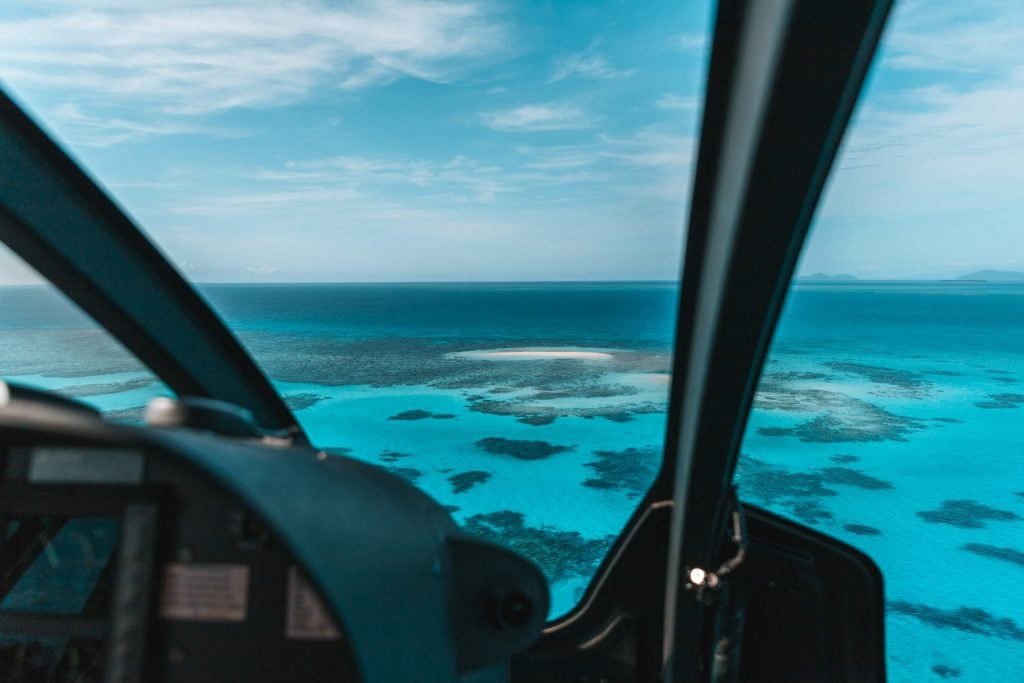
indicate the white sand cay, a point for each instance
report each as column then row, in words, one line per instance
column 534, row 354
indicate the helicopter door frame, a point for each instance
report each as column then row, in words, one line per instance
column 783, row 81
column 59, row 221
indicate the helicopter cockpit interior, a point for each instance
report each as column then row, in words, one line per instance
column 224, row 545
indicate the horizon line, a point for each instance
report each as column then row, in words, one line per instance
column 799, row 279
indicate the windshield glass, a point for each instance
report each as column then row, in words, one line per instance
column 888, row 412
column 46, row 342
column 517, row 172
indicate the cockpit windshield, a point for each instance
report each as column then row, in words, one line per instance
column 450, row 233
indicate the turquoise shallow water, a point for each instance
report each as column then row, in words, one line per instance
column 889, row 416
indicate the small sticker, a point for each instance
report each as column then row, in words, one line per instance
column 205, row 592
column 306, row 618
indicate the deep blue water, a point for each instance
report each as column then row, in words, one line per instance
column 889, row 416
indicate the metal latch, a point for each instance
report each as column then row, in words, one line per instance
column 703, row 580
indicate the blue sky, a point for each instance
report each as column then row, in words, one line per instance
column 485, row 140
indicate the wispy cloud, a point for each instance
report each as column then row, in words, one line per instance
column 586, row 65
column 688, row 42
column 197, row 57
column 289, row 199
column 96, row 131
column 932, row 162
column 673, row 102
column 537, row 117
column 976, row 38
column 465, row 178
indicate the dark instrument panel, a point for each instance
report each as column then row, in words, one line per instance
column 133, row 554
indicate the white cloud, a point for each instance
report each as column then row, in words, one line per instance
column 96, row 131
column 932, row 170
column 976, row 38
column 586, row 65
column 197, row 57
column 952, row 150
column 537, row 117
column 673, row 102
column 688, row 42
column 654, row 147
column 460, row 177
column 287, row 200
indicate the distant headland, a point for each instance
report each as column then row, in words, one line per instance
column 993, row 276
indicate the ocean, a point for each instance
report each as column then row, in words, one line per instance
column 888, row 416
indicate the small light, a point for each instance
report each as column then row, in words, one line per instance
column 321, row 455
column 697, row 576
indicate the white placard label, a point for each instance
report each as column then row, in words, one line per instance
column 205, row 592
column 306, row 618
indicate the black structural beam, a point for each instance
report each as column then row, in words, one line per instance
column 61, row 223
column 783, row 80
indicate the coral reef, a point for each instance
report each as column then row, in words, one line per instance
column 559, row 554
column 522, row 449
column 967, row 514
column 630, row 470
column 464, row 481
column 967, row 619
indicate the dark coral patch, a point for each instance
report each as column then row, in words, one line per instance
column 943, row 671
column 907, row 382
column 464, row 481
column 774, row 484
column 777, row 487
column 967, row 619
column 996, row 552
column 522, row 449
column 549, row 395
column 948, row 420
column 800, row 492
column 302, row 401
column 411, row 415
column 793, row 376
column 1001, row 401
column 812, row 512
column 844, row 459
column 392, row 456
column 630, row 470
column 944, row 373
column 82, row 390
column 862, row 530
column 410, row 474
column 1005, row 380
column 846, row 476
column 966, row 514
column 869, row 423
column 559, row 554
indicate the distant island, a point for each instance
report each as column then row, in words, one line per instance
column 825, row 277
column 994, row 276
